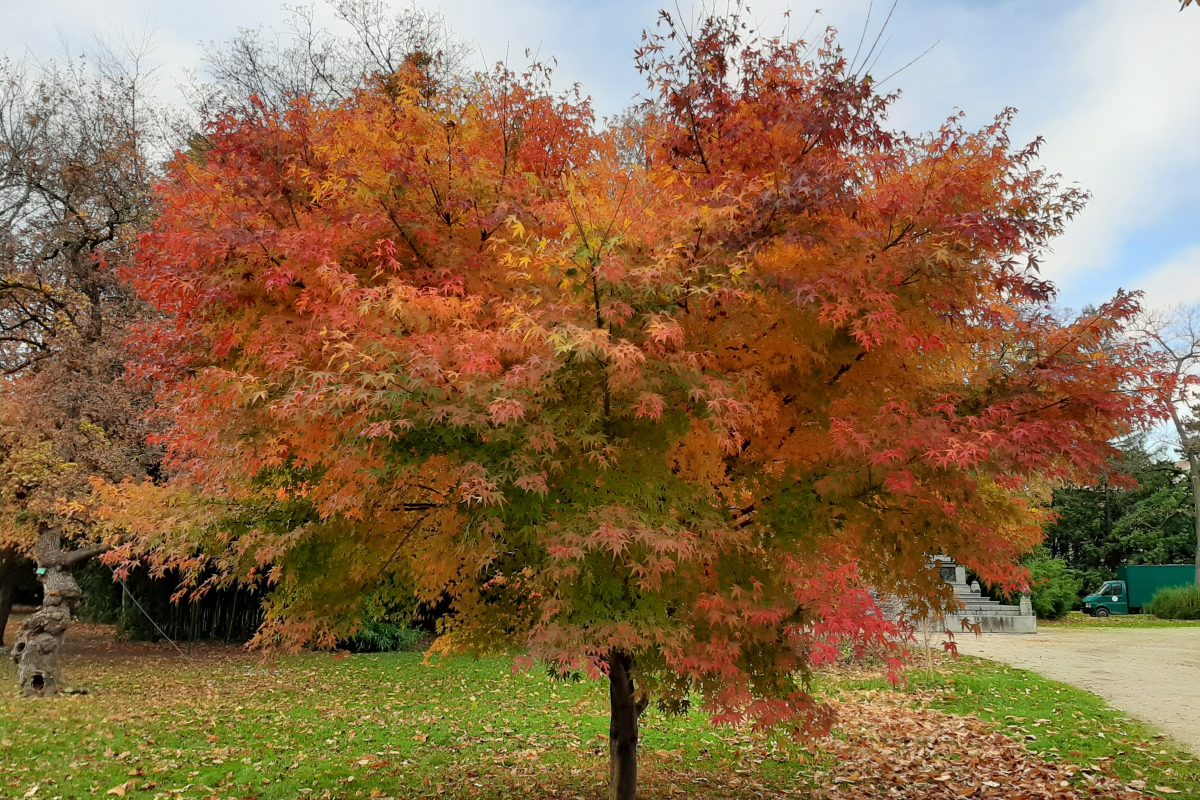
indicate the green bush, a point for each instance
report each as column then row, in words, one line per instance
column 1178, row 602
column 384, row 637
column 1055, row 586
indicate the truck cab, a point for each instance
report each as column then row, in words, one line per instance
column 1111, row 598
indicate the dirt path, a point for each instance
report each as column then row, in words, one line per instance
column 1151, row 674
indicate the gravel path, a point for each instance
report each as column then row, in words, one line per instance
column 1152, row 674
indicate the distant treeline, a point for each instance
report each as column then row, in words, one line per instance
column 1140, row 513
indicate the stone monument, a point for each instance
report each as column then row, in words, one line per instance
column 976, row 611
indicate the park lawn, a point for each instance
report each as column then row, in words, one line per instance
column 222, row 723
column 1079, row 620
column 226, row 724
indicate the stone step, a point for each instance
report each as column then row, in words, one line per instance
column 988, row 604
column 1003, row 611
column 1012, row 623
column 976, row 608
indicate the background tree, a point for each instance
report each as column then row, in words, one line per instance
column 1054, row 586
column 303, row 60
column 79, row 144
column 1139, row 512
column 73, row 188
column 664, row 419
column 1174, row 338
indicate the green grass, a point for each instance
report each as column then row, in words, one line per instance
column 1079, row 620
column 1057, row 721
column 230, row 725
column 378, row 725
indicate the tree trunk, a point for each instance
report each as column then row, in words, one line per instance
column 42, row 633
column 1108, row 515
column 625, row 708
column 7, row 590
column 8, row 586
column 1190, row 445
column 1194, row 463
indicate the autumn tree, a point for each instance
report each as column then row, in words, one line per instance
column 664, row 405
column 73, row 189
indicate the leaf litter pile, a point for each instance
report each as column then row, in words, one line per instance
column 217, row 723
column 891, row 750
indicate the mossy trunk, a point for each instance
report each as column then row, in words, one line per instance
column 41, row 635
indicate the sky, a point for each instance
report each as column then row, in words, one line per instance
column 1112, row 85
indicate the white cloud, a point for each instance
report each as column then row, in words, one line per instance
column 1129, row 134
column 1175, row 283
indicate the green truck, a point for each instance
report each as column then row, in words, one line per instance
column 1135, row 587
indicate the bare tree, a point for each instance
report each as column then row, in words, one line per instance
column 275, row 67
column 74, row 181
column 1174, row 339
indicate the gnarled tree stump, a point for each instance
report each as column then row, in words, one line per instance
column 41, row 635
